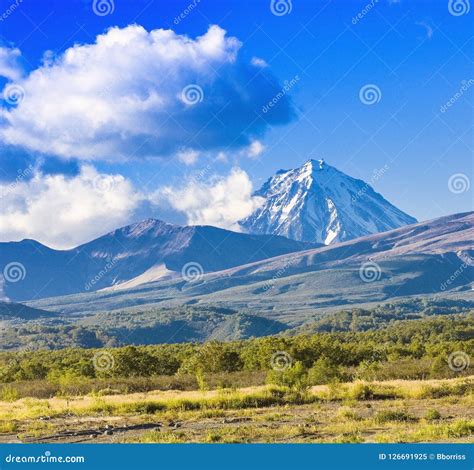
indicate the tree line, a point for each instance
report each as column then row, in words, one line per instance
column 416, row 349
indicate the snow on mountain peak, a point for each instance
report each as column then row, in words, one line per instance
column 319, row 203
column 316, row 164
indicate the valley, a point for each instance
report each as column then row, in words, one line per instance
column 419, row 270
column 24, row 327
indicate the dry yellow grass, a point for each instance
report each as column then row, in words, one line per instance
column 406, row 385
column 392, row 411
column 28, row 407
column 58, row 404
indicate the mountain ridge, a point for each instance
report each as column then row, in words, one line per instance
column 150, row 248
column 317, row 202
column 427, row 258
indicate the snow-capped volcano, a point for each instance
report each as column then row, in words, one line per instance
column 319, row 203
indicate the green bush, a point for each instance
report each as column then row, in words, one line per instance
column 432, row 415
column 393, row 415
column 294, row 377
column 461, row 428
column 8, row 393
column 362, row 391
column 324, row 371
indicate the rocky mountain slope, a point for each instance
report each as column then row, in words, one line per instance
column 143, row 252
column 429, row 258
column 319, row 203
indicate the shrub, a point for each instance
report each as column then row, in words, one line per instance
column 8, row 393
column 432, row 415
column 445, row 390
column 368, row 370
column 201, row 380
column 8, row 427
column 393, row 415
column 461, row 428
column 362, row 391
column 349, row 415
column 323, row 372
column 213, row 436
column 294, row 377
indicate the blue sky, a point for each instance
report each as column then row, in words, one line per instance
column 167, row 155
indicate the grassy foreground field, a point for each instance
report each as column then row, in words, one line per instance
column 391, row 411
column 411, row 381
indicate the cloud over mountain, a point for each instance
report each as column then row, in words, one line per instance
column 135, row 93
column 220, row 200
column 63, row 211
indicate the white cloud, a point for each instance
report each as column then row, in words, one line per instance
column 255, row 149
column 63, row 212
column 222, row 157
column 188, row 157
column 121, row 97
column 258, row 62
column 10, row 67
column 221, row 202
